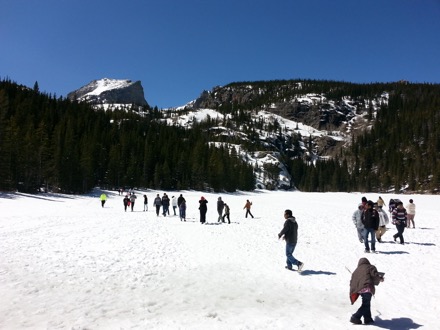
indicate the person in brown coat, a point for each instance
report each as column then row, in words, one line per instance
column 247, row 206
column 363, row 282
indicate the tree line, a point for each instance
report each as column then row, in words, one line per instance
column 69, row 147
column 52, row 142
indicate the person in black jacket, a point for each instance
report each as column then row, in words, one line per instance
column 370, row 219
column 203, row 209
column 290, row 235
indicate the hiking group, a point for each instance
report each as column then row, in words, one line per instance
column 179, row 205
column 371, row 220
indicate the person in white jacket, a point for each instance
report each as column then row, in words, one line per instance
column 383, row 221
column 357, row 220
column 410, row 214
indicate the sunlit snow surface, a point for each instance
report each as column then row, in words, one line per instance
column 67, row 263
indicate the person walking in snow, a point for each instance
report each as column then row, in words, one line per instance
column 182, row 210
column 383, row 221
column 126, row 200
column 399, row 219
column 380, row 202
column 247, row 206
column 203, row 209
column 220, row 207
column 363, row 281
column 157, row 203
column 370, row 219
column 174, row 204
column 226, row 215
column 290, row 234
column 145, row 203
column 165, row 205
column 411, row 213
column 103, row 199
column 357, row 220
column 132, row 200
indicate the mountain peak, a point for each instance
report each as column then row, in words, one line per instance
column 110, row 91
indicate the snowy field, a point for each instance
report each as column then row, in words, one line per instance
column 67, row 263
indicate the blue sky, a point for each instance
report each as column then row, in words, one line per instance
column 179, row 48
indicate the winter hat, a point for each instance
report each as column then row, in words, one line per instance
column 202, row 198
column 370, row 203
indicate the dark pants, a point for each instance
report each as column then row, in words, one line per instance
column 226, row 216
column 248, row 211
column 157, row 210
column 364, row 310
column 400, row 230
column 203, row 216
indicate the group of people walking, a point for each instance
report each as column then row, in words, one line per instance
column 179, row 204
column 371, row 220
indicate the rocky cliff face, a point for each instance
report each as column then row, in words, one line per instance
column 110, row 91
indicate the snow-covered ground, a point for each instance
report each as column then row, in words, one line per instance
column 67, row 263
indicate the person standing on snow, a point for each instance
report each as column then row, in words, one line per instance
column 383, row 221
column 380, row 202
column 247, row 206
column 227, row 212
column 158, row 203
column 145, row 203
column 411, row 213
column 203, row 209
column 182, row 210
column 399, row 219
column 220, row 207
column 363, row 281
column 174, row 204
column 103, row 198
column 290, row 234
column 126, row 200
column 165, row 205
column 370, row 219
column 357, row 220
column 132, row 200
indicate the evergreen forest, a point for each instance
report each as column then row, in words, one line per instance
column 61, row 145
column 64, row 146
